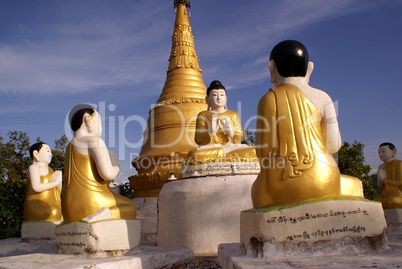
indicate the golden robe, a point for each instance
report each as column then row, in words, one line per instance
column 290, row 145
column 211, row 145
column 391, row 195
column 85, row 192
column 43, row 205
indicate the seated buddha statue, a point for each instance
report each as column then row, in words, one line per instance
column 297, row 131
column 89, row 169
column 389, row 177
column 218, row 131
column 42, row 202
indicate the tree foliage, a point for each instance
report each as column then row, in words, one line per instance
column 14, row 163
column 249, row 137
column 351, row 162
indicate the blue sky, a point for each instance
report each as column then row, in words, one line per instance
column 114, row 54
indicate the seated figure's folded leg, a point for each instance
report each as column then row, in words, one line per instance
column 203, row 155
column 124, row 208
column 351, row 187
column 244, row 154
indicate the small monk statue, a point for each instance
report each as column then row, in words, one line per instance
column 297, row 131
column 89, row 168
column 42, row 202
column 389, row 177
column 218, row 131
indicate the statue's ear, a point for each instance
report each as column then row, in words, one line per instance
column 394, row 151
column 271, row 66
column 35, row 155
column 310, row 68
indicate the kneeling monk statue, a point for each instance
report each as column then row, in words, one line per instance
column 218, row 131
column 389, row 177
column 89, row 168
column 42, row 202
column 297, row 131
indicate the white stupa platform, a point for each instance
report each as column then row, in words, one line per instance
column 202, row 212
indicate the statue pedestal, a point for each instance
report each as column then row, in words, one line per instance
column 317, row 226
column 393, row 216
column 147, row 213
column 38, row 230
column 111, row 237
column 203, row 212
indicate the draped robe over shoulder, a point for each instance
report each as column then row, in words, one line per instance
column 43, row 205
column 290, row 144
column 85, row 192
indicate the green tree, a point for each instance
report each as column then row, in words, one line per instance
column 249, row 137
column 351, row 162
column 126, row 190
column 14, row 163
column 58, row 154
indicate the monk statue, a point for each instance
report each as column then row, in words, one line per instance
column 297, row 131
column 218, row 131
column 389, row 177
column 42, row 202
column 89, row 168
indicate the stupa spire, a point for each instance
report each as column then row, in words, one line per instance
column 171, row 124
column 184, row 77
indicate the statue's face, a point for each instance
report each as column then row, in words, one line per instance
column 45, row 154
column 385, row 153
column 217, row 98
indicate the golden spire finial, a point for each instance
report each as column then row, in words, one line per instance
column 183, row 2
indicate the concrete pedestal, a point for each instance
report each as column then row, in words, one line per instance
column 201, row 213
column 147, row 213
column 393, row 216
column 317, row 226
column 38, row 230
column 107, row 237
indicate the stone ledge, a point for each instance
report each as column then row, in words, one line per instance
column 38, row 230
column 142, row 257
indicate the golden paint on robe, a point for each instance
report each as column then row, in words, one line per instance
column 391, row 195
column 43, row 205
column 85, row 192
column 290, row 145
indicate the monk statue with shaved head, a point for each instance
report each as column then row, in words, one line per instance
column 297, row 131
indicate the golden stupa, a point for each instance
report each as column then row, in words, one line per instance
column 169, row 135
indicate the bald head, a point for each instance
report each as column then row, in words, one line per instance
column 291, row 58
